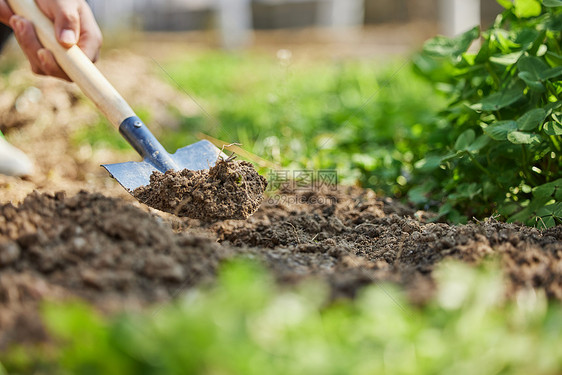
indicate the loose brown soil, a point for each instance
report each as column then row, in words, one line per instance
column 118, row 256
column 352, row 238
column 96, row 248
column 228, row 190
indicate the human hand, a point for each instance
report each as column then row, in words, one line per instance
column 74, row 24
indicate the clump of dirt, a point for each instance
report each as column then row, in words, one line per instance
column 100, row 249
column 228, row 190
column 352, row 238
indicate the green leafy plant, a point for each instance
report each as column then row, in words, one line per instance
column 246, row 324
column 501, row 151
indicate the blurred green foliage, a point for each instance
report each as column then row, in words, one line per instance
column 246, row 324
column 369, row 120
column 102, row 134
column 501, row 150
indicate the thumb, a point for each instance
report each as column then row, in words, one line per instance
column 67, row 24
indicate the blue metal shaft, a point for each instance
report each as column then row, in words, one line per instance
column 146, row 144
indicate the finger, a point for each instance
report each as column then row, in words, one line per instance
column 5, row 12
column 66, row 17
column 91, row 37
column 27, row 39
column 49, row 65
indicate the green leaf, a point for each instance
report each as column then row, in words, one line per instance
column 479, row 144
column 484, row 54
column 547, row 222
column 531, row 120
column 441, row 46
column 551, row 73
column 533, row 65
column 552, row 3
column 428, row 163
column 500, row 99
column 499, row 130
column 505, row 41
column 549, row 190
column 506, row 59
column 557, row 207
column 509, row 209
column 553, row 59
column 530, row 211
column 419, row 194
column 445, row 209
column 534, row 71
column 537, row 45
column 507, row 4
column 465, row 139
column 527, row 8
column 552, row 128
column 532, row 82
column 466, row 191
column 552, row 106
column 520, row 138
column 526, row 38
column 537, row 69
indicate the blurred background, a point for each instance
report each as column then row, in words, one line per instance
column 236, row 19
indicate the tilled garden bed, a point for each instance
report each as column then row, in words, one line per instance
column 118, row 256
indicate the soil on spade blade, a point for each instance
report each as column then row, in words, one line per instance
column 118, row 256
column 228, row 190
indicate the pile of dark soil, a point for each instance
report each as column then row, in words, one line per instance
column 117, row 256
column 353, row 238
column 96, row 248
column 229, row 190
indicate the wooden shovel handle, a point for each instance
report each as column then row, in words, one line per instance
column 76, row 65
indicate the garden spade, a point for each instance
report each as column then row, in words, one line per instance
column 131, row 175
